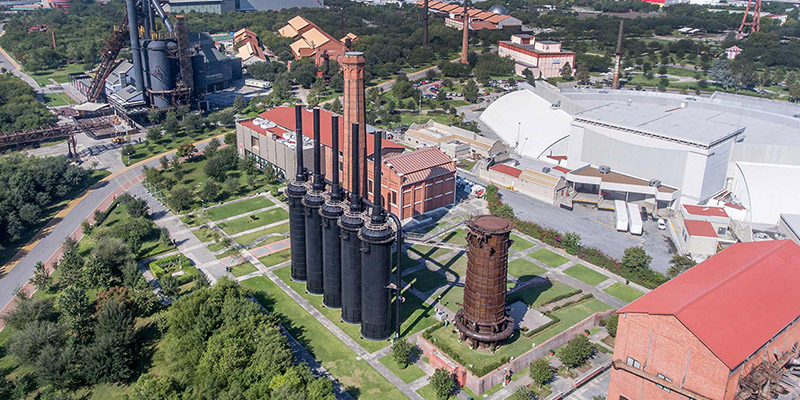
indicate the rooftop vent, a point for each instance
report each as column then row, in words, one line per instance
column 546, row 170
column 604, row 169
column 655, row 183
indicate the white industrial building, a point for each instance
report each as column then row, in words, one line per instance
column 660, row 150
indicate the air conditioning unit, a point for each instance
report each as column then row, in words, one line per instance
column 655, row 183
column 546, row 170
column 604, row 169
column 556, row 105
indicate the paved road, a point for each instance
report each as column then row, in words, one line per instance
column 9, row 64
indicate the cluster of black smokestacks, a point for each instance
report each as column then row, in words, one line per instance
column 339, row 248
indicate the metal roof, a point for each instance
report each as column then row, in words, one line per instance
column 735, row 301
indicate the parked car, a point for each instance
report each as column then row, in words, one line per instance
column 662, row 224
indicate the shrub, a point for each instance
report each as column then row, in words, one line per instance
column 443, row 383
column 611, row 324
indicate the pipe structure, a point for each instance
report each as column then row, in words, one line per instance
column 350, row 224
column 162, row 15
column 313, row 201
column 296, row 192
column 398, row 299
column 331, row 211
column 136, row 50
column 148, row 27
column 377, row 238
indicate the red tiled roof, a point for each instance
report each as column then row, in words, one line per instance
column 478, row 25
column 734, row 302
column 420, row 164
column 700, row 228
column 284, row 116
column 508, row 170
column 736, row 206
column 706, row 211
column 562, row 169
column 559, row 158
column 276, row 130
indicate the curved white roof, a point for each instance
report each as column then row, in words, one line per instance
column 767, row 190
column 525, row 114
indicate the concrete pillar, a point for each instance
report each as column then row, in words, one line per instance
column 354, row 112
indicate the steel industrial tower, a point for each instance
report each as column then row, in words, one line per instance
column 754, row 24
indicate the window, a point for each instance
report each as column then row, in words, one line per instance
column 393, row 200
column 556, row 61
column 722, row 230
column 661, row 376
column 254, row 143
column 633, row 363
column 369, row 185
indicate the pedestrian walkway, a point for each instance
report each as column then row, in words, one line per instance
column 258, row 252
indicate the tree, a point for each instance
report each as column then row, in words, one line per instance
column 154, row 115
column 239, row 103
column 154, row 133
column 181, row 198
column 582, row 74
column 215, row 168
column 720, row 73
column 572, row 243
column 230, row 138
column 470, row 91
column 402, row 350
column 210, row 191
column 110, row 357
column 149, row 387
column 29, row 310
column 304, row 73
column 270, row 174
column 193, row 124
column 541, row 371
column 524, row 393
column 128, row 151
column 635, row 259
column 185, row 150
column 312, row 100
column 74, row 305
column 169, row 286
column 576, row 352
column 56, row 367
column 41, row 278
column 164, row 162
column 566, row 72
column 231, row 185
column 680, row 263
column 662, row 70
column 611, row 324
column 443, row 383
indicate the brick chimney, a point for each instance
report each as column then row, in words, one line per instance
column 465, row 39
column 354, row 111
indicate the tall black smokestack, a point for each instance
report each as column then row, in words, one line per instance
column 136, row 47
column 331, row 211
column 376, row 263
column 313, row 201
column 296, row 191
column 350, row 224
column 425, row 22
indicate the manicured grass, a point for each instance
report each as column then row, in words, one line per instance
column 250, row 237
column 452, row 297
column 524, row 270
column 570, row 316
column 240, row 207
column 456, row 265
column 59, row 75
column 357, row 376
column 425, row 280
column 458, row 236
column 243, row 269
column 520, row 244
column 408, row 118
column 536, row 295
column 168, row 142
column 419, row 250
column 57, row 99
column 408, row 374
column 254, row 221
column 623, row 292
column 548, row 257
column 206, row 234
column 276, row 258
column 428, row 393
column 585, row 274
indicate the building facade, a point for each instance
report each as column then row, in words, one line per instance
column 454, row 141
column 724, row 330
column 544, row 58
column 312, row 42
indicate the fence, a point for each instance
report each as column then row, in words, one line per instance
column 480, row 384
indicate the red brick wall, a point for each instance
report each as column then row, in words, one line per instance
column 354, row 111
column 663, row 345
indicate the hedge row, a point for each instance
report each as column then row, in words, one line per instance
column 649, row 279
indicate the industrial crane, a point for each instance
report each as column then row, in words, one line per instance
column 111, row 48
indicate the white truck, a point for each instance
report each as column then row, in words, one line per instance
column 622, row 215
column 635, row 219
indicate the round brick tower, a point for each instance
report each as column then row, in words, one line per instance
column 483, row 320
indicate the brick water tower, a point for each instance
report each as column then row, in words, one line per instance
column 483, row 321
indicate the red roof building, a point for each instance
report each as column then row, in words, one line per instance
column 310, row 41
column 700, row 228
column 507, row 169
column 544, row 58
column 711, row 332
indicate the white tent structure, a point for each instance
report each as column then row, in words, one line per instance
column 529, row 124
column 766, row 190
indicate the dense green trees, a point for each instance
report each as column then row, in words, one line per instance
column 19, row 108
column 28, row 186
column 576, row 352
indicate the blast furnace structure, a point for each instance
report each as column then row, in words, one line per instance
column 483, row 320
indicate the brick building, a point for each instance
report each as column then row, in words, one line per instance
column 310, row 41
column 726, row 329
column 545, row 58
column 478, row 19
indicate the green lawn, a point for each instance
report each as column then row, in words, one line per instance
column 420, row 250
column 585, row 274
column 148, row 149
column 57, row 99
column 250, row 237
column 520, row 244
column 458, row 236
column 429, row 393
column 59, row 75
column 276, row 258
column 254, row 221
column 524, row 270
column 623, row 292
column 452, row 297
column 569, row 316
column 206, row 234
column 241, row 207
column 547, row 257
column 243, row 269
column 536, row 295
column 408, row 118
column 425, row 280
column 456, row 265
column 408, row 374
column 357, row 376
